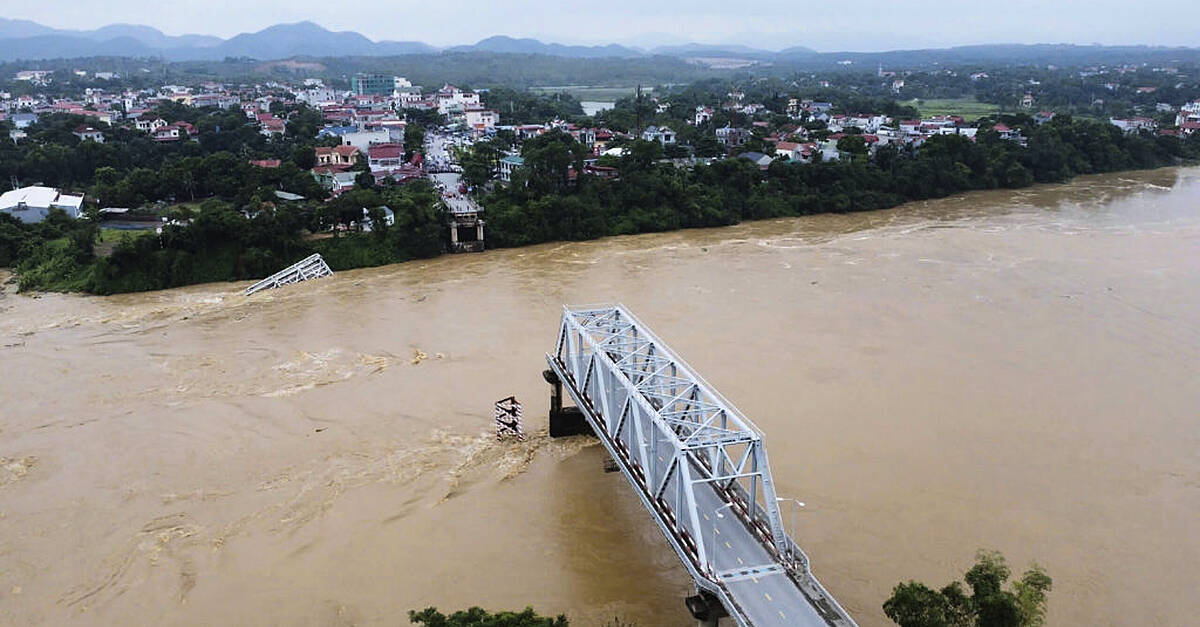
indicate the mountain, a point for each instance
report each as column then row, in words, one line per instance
column 707, row 50
column 509, row 45
column 22, row 28
column 150, row 37
column 289, row 40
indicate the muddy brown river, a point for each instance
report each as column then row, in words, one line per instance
column 1017, row 371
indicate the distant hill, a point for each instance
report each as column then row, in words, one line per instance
column 510, row 45
column 707, row 50
column 23, row 39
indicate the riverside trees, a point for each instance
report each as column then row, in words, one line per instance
column 914, row 604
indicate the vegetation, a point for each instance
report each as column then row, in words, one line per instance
column 546, row 202
column 969, row 108
column 478, row 617
column 914, row 604
column 221, row 243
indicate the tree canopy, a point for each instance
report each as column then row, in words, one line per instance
column 914, row 604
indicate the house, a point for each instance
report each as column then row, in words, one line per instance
column 266, row 163
column 1134, row 125
column 732, row 137
column 757, row 158
column 364, row 139
column 1027, row 101
column 385, row 156
column 389, row 217
column 703, row 115
column 337, row 155
column 23, row 120
column 273, row 127
column 508, row 165
column 88, row 133
column 33, row 204
column 1189, row 112
column 660, row 134
column 335, row 178
column 451, row 99
column 1042, row 117
column 482, row 118
column 788, row 150
column 150, row 126
column 169, row 133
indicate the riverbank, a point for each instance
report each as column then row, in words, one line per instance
column 1004, row 369
column 544, row 203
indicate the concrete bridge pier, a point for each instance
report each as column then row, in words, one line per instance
column 564, row 421
column 706, row 609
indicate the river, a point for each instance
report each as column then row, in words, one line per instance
column 1007, row 370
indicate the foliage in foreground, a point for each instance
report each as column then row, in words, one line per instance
column 478, row 617
column 914, row 604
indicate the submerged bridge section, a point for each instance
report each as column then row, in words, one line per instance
column 698, row 466
column 310, row 267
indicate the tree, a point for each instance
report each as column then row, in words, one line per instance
column 305, row 157
column 478, row 617
column 414, row 138
column 854, row 145
column 914, row 604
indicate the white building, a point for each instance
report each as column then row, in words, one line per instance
column 364, row 139
column 660, row 134
column 451, row 99
column 482, row 118
column 33, row 204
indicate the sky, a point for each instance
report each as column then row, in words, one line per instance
column 861, row 25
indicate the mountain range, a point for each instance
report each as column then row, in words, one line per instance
column 26, row 40
column 23, row 39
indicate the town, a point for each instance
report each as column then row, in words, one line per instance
column 81, row 144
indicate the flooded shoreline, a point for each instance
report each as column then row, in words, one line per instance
column 1007, row 369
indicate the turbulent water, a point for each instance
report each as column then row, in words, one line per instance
column 1007, row 370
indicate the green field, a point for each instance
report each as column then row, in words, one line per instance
column 969, row 108
column 597, row 94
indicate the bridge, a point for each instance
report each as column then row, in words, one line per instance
column 311, row 267
column 698, row 466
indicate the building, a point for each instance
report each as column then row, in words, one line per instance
column 364, row 139
column 732, row 137
column 33, row 204
column 508, row 165
column 660, row 134
column 385, row 156
column 372, row 84
column 451, row 99
column 23, row 120
column 482, row 118
column 337, row 155
column 1134, row 125
column 88, row 133
column 703, row 115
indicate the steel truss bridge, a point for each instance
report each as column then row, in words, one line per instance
column 697, row 465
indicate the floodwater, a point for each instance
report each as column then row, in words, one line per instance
column 1009, row 370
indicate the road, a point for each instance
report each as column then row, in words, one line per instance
column 768, row 599
column 438, row 154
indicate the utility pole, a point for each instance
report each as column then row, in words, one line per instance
column 637, row 107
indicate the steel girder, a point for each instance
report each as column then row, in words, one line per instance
column 673, row 429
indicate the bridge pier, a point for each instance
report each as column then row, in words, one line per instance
column 706, row 609
column 564, row 421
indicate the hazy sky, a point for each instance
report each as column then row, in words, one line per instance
column 827, row 26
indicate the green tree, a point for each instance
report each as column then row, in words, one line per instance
column 478, row 617
column 914, row 604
